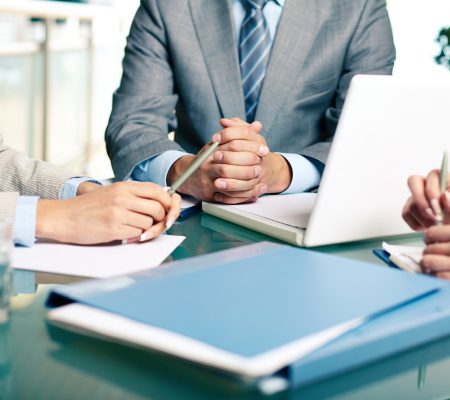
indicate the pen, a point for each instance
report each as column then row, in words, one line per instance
column 192, row 168
column 443, row 181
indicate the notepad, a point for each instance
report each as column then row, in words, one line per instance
column 284, row 217
column 100, row 261
column 405, row 257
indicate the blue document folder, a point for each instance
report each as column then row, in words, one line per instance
column 251, row 311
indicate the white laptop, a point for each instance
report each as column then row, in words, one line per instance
column 390, row 128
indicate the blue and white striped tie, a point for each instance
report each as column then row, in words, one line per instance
column 254, row 52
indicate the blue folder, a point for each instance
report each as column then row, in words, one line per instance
column 256, row 300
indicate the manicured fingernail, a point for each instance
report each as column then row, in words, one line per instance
column 263, row 189
column 146, row 236
column 257, row 171
column 221, row 184
column 218, row 156
column 217, row 137
column 447, row 197
column 263, row 150
column 218, row 197
column 430, row 213
column 436, row 207
column 169, row 223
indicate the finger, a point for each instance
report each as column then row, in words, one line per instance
column 235, row 185
column 416, row 185
column 259, row 149
column 151, row 191
column 127, row 234
column 238, row 133
column 435, row 263
column 222, row 198
column 412, row 222
column 137, row 220
column 442, row 249
column 232, row 122
column 443, row 275
column 432, row 191
column 418, row 216
column 259, row 190
column 446, row 205
column 153, row 232
column 147, row 207
column 235, row 172
column 174, row 211
column 236, row 158
column 437, row 234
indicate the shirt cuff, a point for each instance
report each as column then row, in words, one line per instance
column 24, row 233
column 305, row 174
column 70, row 188
column 156, row 168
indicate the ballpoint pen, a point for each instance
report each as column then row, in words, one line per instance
column 201, row 158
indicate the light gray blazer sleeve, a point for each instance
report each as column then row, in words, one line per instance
column 20, row 175
column 144, row 104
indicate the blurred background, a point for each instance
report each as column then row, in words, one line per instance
column 61, row 61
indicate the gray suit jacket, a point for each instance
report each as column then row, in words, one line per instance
column 182, row 55
column 21, row 176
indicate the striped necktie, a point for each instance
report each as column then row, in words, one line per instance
column 254, row 52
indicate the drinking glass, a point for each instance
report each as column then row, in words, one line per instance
column 6, row 244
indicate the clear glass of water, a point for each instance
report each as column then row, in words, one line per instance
column 5, row 269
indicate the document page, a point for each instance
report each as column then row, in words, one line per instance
column 100, row 261
column 289, row 209
column 405, row 257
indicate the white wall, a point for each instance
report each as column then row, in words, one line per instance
column 416, row 24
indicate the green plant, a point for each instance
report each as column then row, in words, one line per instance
column 444, row 41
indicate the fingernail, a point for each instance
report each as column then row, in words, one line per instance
column 430, row 213
column 263, row 150
column 146, row 236
column 263, row 189
column 436, row 207
column 169, row 223
column 218, row 197
column 257, row 171
column 217, row 137
column 447, row 197
column 221, row 184
column 218, row 156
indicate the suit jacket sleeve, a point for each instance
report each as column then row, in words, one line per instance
column 143, row 106
column 20, row 175
column 372, row 52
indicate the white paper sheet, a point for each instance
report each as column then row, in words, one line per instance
column 101, row 261
column 188, row 202
column 405, row 257
column 291, row 209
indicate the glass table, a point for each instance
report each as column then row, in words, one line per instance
column 38, row 361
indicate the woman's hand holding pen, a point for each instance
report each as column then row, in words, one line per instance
column 426, row 202
column 423, row 211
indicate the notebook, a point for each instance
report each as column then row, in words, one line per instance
column 389, row 129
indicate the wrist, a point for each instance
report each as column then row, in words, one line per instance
column 280, row 173
column 86, row 187
column 178, row 168
column 47, row 219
